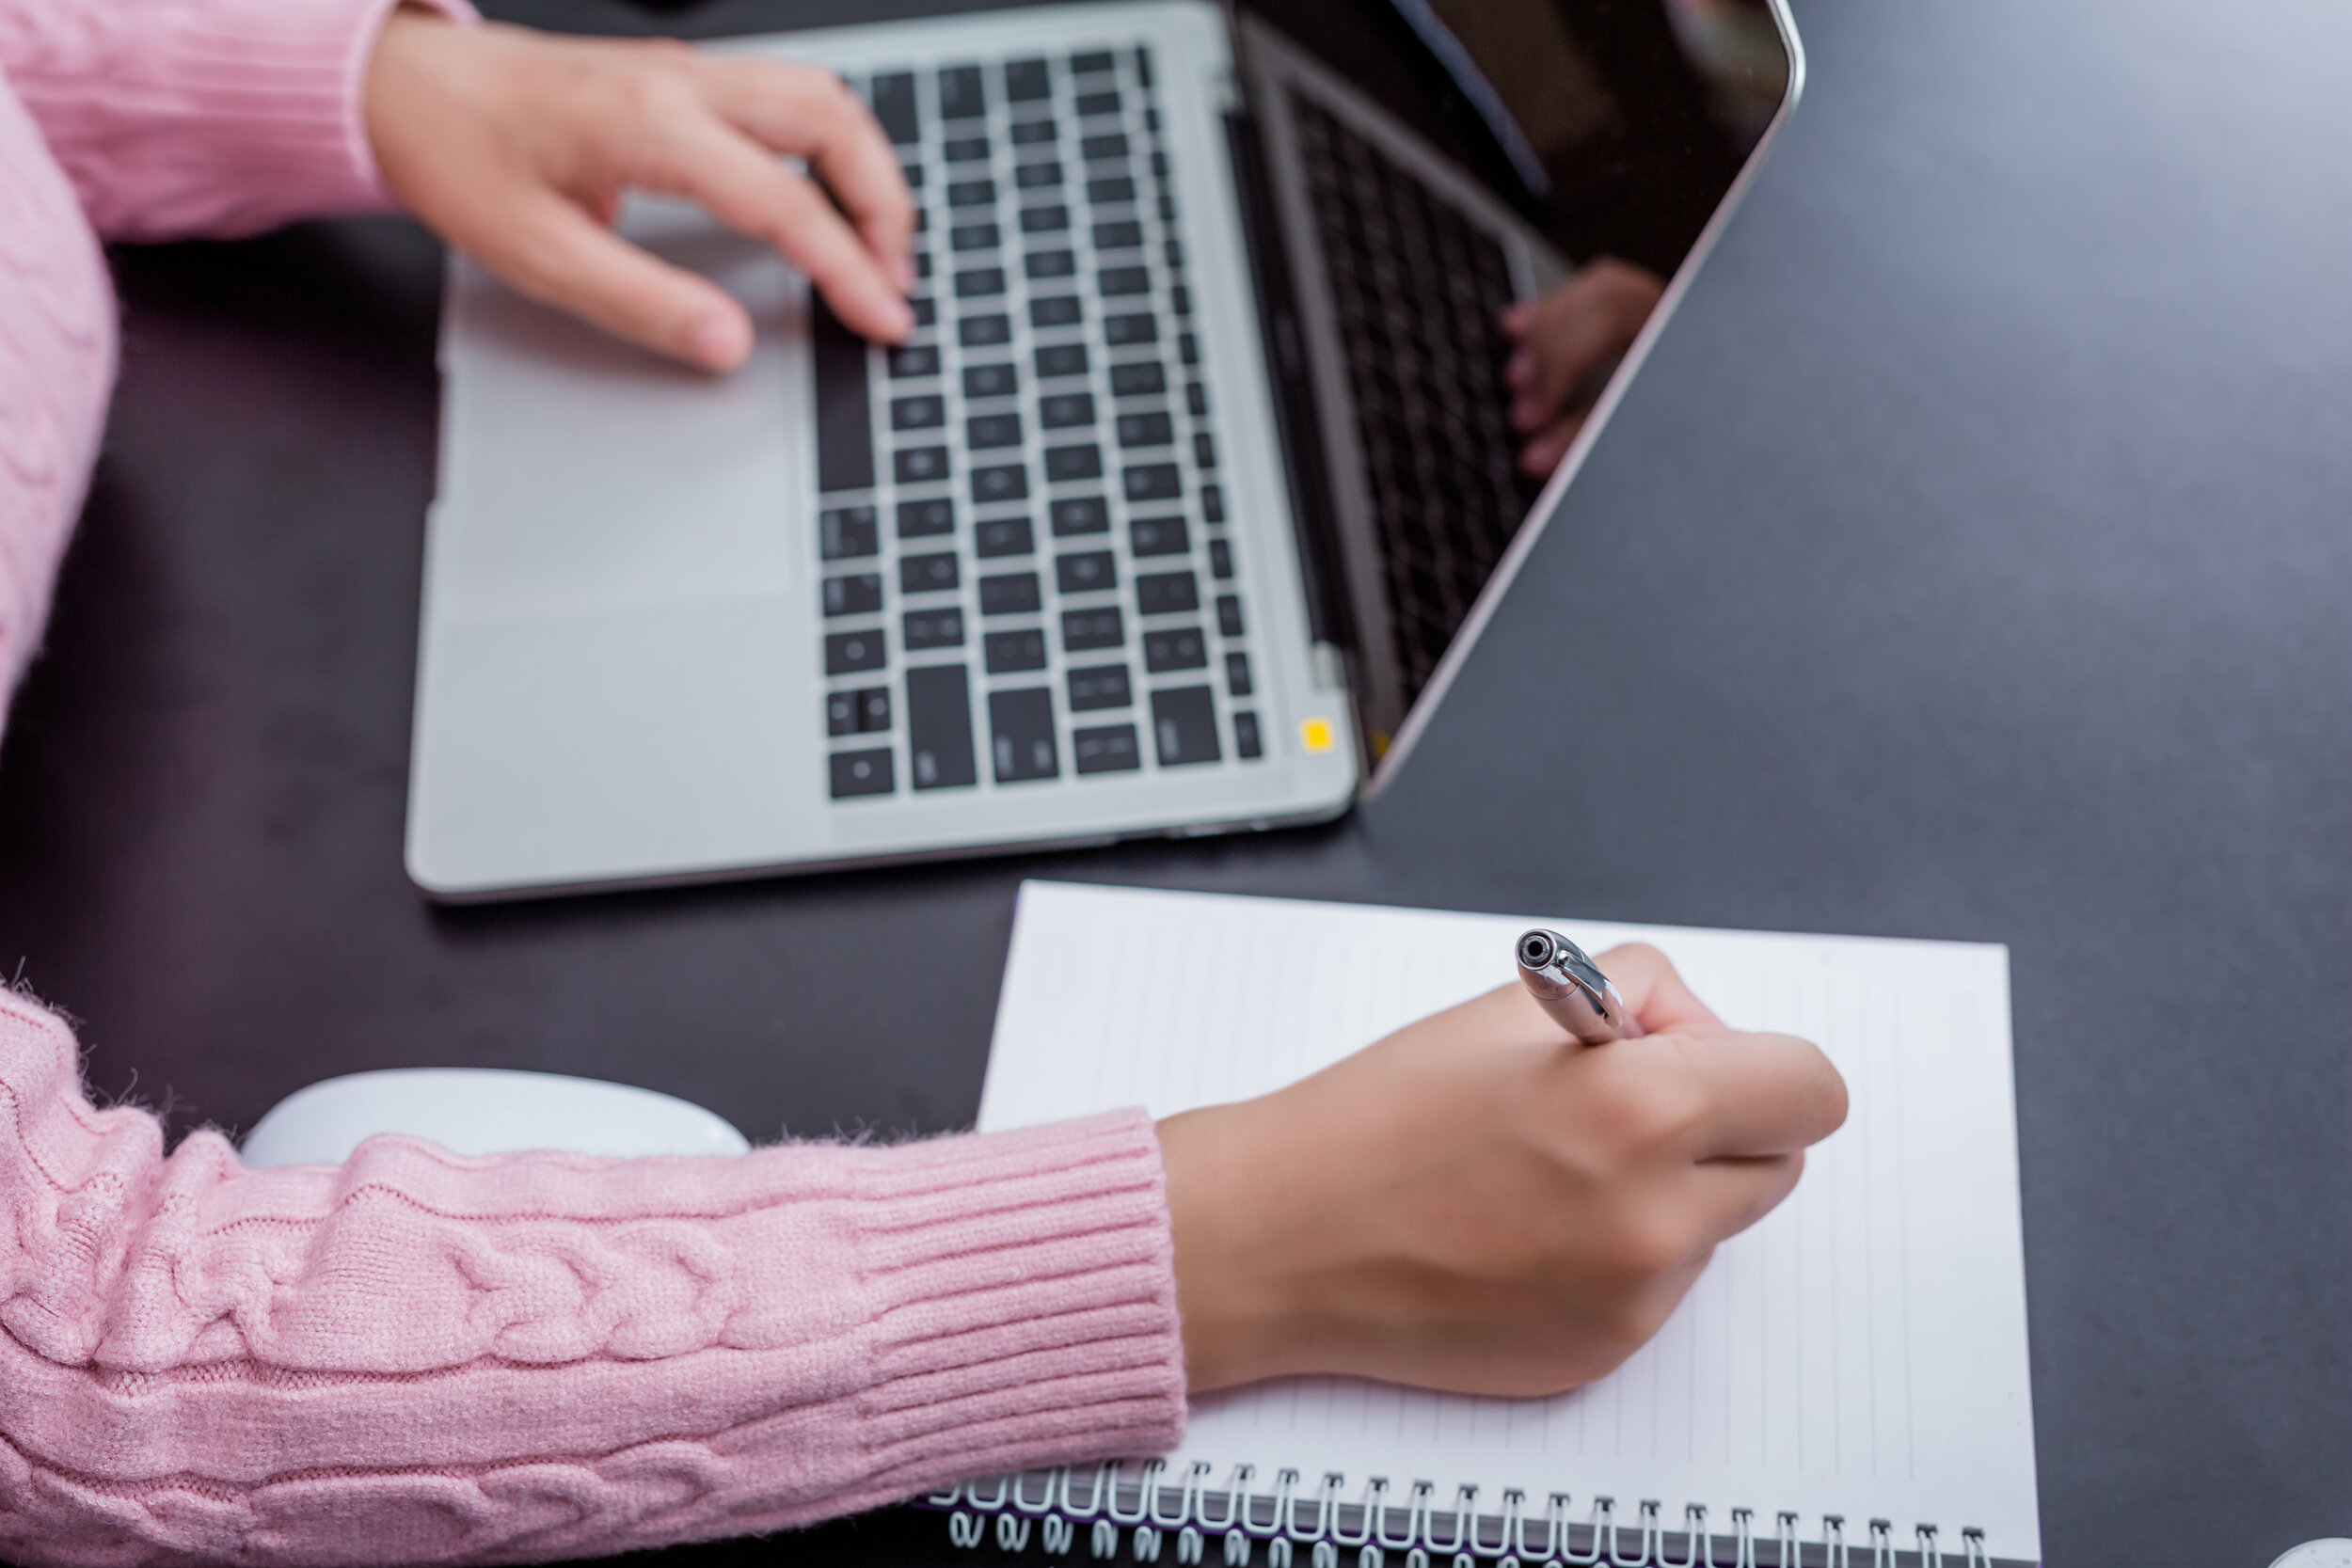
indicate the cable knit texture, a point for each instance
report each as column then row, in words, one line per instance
column 417, row 1357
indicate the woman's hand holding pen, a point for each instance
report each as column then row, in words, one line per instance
column 1475, row 1203
column 515, row 148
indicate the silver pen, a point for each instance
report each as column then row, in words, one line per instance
column 1572, row 987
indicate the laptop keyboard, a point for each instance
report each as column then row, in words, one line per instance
column 1026, row 569
column 1418, row 290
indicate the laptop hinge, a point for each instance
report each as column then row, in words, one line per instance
column 1328, row 619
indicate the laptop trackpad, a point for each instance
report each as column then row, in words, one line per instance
column 593, row 475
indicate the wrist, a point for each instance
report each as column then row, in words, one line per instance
column 1230, row 1293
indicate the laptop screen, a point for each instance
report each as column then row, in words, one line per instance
column 1476, row 341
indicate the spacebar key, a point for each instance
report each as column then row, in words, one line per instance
column 845, row 426
column 939, row 727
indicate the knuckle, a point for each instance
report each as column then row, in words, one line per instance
column 1654, row 1109
column 1654, row 1240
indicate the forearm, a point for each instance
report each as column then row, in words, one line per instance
column 201, row 117
column 548, row 1356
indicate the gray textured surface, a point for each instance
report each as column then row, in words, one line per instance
column 1972, row 561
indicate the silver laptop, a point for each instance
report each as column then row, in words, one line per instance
column 1174, row 516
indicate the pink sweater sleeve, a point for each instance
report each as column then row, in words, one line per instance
column 200, row 116
column 417, row 1357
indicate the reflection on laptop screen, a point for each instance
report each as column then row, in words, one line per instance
column 1429, row 165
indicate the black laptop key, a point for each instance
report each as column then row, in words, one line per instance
column 1146, row 429
column 979, row 282
column 922, row 264
column 1158, row 536
column 984, row 331
column 894, row 105
column 1080, row 514
column 1213, row 504
column 1021, row 724
column 1001, row 536
column 1152, row 481
column 920, row 464
column 1196, row 399
column 1064, row 410
column 1124, row 280
column 982, row 432
column 1143, row 65
column 1166, row 593
column 1103, row 192
column 964, row 149
column 1180, row 300
column 1237, row 675
column 845, row 426
column 1174, row 252
column 1036, row 177
column 1044, row 220
column 1125, row 331
column 1050, row 264
column 1184, row 726
column 1111, row 144
column 845, row 533
column 923, row 307
column 1084, row 630
column 1092, row 104
column 961, row 96
column 1229, row 615
column 1110, row 749
column 853, row 596
column 991, row 381
column 873, row 709
column 1091, row 62
column 1027, row 81
column 933, row 629
column 840, row 713
column 1123, row 235
column 1220, row 558
column 1089, row 572
column 1065, row 464
column 1007, row 482
column 1203, row 450
column 971, row 193
column 862, row 773
column 1180, row 648
column 917, row 413
column 1100, row 686
column 1136, row 380
column 1188, row 348
column 1011, row 652
column 1056, row 360
column 1245, row 742
column 921, row 519
column 1056, row 310
column 848, row 652
column 1012, row 594
column 939, row 727
column 976, row 236
column 913, row 359
column 927, row 574
column 1033, row 132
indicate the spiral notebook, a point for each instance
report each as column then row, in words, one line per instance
column 1847, row 1380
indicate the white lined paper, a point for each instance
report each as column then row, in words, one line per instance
column 1862, row 1352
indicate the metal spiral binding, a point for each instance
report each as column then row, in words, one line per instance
column 1235, row 1522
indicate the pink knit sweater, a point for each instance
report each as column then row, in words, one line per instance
column 418, row 1357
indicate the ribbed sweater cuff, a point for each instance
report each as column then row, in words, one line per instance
column 1025, row 1300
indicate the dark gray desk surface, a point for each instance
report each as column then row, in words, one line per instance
column 1974, row 560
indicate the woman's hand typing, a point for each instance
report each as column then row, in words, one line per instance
column 1475, row 1202
column 517, row 146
